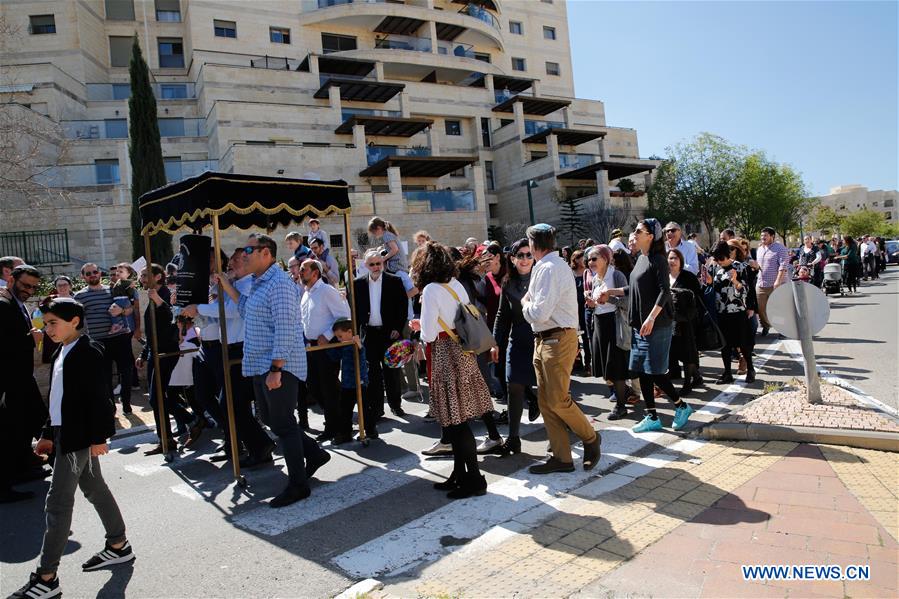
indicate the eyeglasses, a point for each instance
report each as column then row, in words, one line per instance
column 251, row 248
column 373, row 264
column 524, row 256
column 593, row 259
column 670, row 231
column 91, row 273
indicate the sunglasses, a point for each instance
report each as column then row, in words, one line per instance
column 593, row 259
column 250, row 249
column 91, row 273
column 670, row 231
column 524, row 256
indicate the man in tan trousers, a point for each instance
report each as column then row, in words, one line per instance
column 550, row 306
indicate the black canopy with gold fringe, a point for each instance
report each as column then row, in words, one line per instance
column 242, row 201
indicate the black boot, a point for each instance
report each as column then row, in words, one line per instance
column 511, row 446
column 471, row 485
column 449, row 484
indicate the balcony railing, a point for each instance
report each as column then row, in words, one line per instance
column 350, row 112
column 176, row 170
column 440, row 201
column 533, row 127
column 80, row 175
column 404, row 42
column 375, row 154
column 277, row 63
column 37, row 247
column 178, row 127
column 330, row 3
column 573, row 161
column 473, row 10
column 455, row 49
column 104, row 92
column 99, row 129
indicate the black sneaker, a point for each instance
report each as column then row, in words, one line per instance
column 533, row 411
column 37, row 588
column 108, row 557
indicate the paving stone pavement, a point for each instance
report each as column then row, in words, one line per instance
column 684, row 528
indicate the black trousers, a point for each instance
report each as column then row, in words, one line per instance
column 380, row 377
column 324, row 384
column 117, row 350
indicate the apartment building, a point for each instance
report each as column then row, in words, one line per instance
column 444, row 115
column 846, row 199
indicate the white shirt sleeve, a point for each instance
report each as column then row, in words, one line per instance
column 544, row 296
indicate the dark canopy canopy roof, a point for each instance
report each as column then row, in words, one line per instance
column 242, row 201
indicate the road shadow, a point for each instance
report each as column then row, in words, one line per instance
column 116, row 585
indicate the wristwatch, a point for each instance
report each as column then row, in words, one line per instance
column 274, row 368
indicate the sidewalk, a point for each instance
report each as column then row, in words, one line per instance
column 680, row 522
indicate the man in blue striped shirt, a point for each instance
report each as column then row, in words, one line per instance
column 275, row 357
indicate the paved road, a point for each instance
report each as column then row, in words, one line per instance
column 860, row 342
column 373, row 513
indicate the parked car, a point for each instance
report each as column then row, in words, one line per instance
column 892, row 247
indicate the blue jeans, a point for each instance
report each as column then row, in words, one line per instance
column 277, row 408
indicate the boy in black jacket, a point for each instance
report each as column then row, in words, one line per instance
column 82, row 418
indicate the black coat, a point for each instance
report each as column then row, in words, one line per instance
column 22, row 410
column 88, row 414
column 394, row 302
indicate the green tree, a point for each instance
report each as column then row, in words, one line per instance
column 826, row 220
column 864, row 222
column 145, row 152
column 695, row 182
column 571, row 214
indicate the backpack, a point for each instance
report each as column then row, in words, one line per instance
column 471, row 328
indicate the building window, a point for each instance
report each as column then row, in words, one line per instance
column 224, row 28
column 888, row 203
column 516, row 27
column 337, row 43
column 171, row 53
column 173, row 171
column 120, row 51
column 116, row 128
column 459, row 172
column 549, row 33
column 453, row 127
column 120, row 10
column 41, row 24
column 547, row 1
column 171, row 127
column 168, row 11
column 279, row 35
column 519, row 64
column 107, row 171
column 488, row 173
column 482, row 56
column 172, row 91
column 552, row 68
column 336, row 241
column 121, row 91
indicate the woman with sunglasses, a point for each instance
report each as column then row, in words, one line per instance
column 651, row 319
column 511, row 328
column 579, row 268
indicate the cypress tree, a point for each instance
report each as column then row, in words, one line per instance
column 145, row 152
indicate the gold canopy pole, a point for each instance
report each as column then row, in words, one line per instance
column 154, row 347
column 349, row 269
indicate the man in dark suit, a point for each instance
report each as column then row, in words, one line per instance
column 22, row 410
column 381, row 309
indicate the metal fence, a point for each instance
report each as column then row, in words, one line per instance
column 37, row 247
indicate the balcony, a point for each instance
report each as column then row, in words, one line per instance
column 80, row 175
column 472, row 10
column 390, row 124
column 455, row 49
column 534, row 127
column 447, row 200
column 348, row 113
column 375, row 154
column 358, row 89
column 105, row 92
column 575, row 161
column 181, row 127
column 564, row 137
column 98, row 129
column 403, row 42
column 176, row 170
column 416, row 165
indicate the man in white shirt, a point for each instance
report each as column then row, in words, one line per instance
column 674, row 240
column 550, row 306
column 320, row 308
column 616, row 243
column 868, row 251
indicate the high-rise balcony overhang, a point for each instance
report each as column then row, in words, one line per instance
column 387, row 126
column 565, row 137
column 616, row 169
column 532, row 104
column 419, row 166
column 359, row 90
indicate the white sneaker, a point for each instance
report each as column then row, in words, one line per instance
column 439, row 448
column 488, row 444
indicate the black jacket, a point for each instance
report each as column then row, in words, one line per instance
column 88, row 414
column 394, row 302
column 20, row 398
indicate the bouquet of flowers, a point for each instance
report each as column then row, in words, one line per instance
column 399, row 353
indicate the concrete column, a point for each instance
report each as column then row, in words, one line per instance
column 394, row 180
column 647, row 180
column 476, row 182
column 313, row 64
column 552, row 149
column 124, row 163
column 379, row 71
column 535, row 87
column 334, row 101
column 432, row 33
column 518, row 112
column 435, row 139
column 567, row 117
column 488, row 83
column 602, row 185
column 603, row 151
column 405, row 104
column 359, row 142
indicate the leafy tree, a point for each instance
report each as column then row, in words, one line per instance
column 695, row 182
column 865, row 222
column 571, row 214
column 145, row 152
column 626, row 185
column 826, row 220
column 768, row 194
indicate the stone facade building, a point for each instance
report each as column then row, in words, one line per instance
column 851, row 198
column 437, row 113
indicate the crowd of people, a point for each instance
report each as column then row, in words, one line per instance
column 632, row 314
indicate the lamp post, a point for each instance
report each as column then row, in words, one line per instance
column 531, row 184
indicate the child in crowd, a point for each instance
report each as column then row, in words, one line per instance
column 295, row 243
column 123, row 295
column 82, row 419
column 181, row 383
column 316, row 232
column 343, row 331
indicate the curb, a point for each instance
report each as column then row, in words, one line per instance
column 735, row 431
column 361, row 588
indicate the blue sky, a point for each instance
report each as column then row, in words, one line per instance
column 813, row 84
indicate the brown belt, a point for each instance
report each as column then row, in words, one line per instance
column 551, row 332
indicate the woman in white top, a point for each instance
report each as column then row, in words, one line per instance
column 610, row 362
column 458, row 392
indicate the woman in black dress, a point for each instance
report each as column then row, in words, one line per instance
column 686, row 295
column 511, row 328
column 731, row 284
